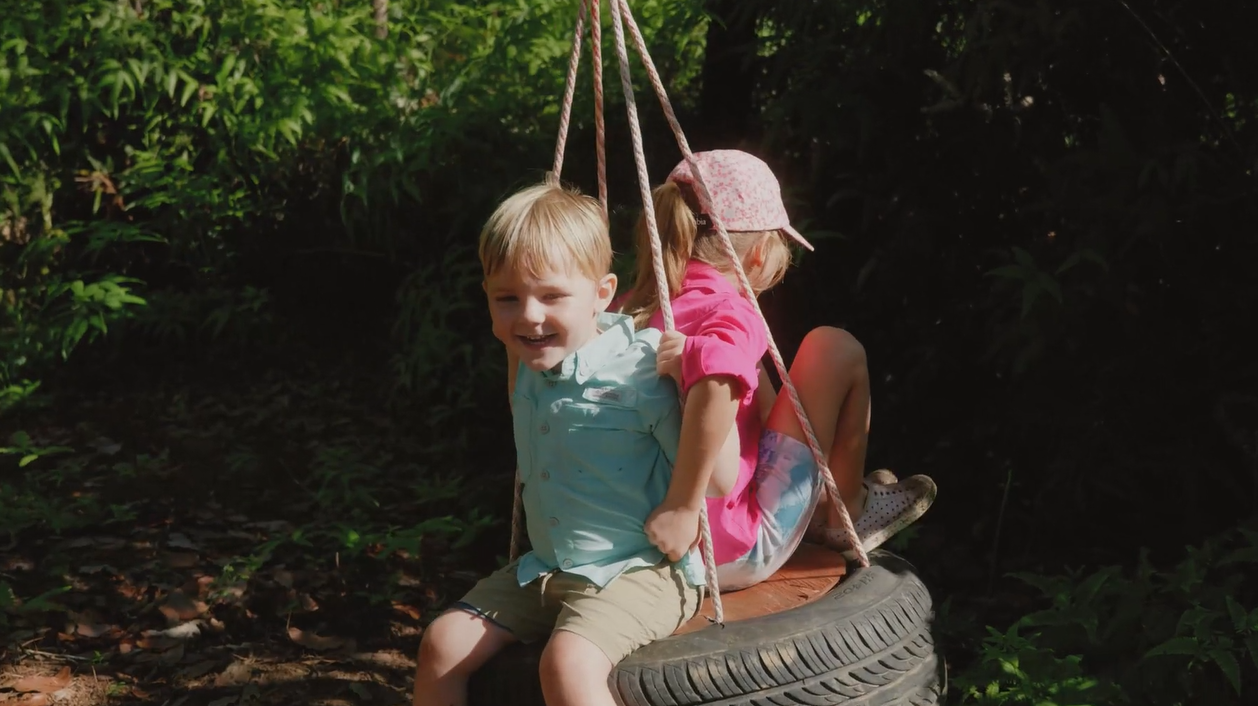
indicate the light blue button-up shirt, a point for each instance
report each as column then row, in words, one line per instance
column 596, row 439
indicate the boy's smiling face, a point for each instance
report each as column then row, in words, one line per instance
column 544, row 318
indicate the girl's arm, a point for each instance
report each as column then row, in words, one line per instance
column 711, row 407
column 706, row 426
column 721, row 359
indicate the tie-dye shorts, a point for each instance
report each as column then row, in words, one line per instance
column 788, row 487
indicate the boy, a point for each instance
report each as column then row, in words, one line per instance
column 596, row 433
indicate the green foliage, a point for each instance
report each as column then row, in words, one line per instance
column 1184, row 636
column 155, row 153
column 1017, row 670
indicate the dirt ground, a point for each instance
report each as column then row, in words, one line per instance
column 163, row 615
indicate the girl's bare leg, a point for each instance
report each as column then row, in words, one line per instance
column 830, row 374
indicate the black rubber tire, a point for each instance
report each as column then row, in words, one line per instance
column 865, row 643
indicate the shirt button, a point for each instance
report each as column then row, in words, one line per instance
column 551, row 383
column 554, row 522
column 545, row 429
column 567, row 563
column 545, row 475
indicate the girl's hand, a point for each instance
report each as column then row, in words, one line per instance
column 673, row 530
column 668, row 358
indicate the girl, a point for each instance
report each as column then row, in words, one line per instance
column 720, row 337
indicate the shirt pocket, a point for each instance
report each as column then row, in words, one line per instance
column 605, row 439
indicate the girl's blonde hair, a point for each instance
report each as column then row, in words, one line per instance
column 546, row 228
column 681, row 239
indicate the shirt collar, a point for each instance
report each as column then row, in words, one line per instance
column 581, row 364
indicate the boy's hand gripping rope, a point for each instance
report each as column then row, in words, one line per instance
column 622, row 16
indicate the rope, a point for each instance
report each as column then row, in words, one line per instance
column 569, row 89
column 600, row 134
column 565, row 115
column 517, row 510
column 706, row 200
column 657, row 262
column 621, row 16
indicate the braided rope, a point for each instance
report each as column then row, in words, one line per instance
column 706, row 198
column 565, row 115
column 657, row 262
column 517, row 510
column 569, row 90
column 596, row 38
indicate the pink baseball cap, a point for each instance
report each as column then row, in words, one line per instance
column 745, row 194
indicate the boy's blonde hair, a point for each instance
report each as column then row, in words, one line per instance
column 682, row 241
column 546, row 228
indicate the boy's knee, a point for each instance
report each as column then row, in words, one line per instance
column 572, row 662
column 435, row 645
column 447, row 645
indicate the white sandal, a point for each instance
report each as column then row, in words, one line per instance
column 890, row 506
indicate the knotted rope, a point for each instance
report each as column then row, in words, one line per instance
column 622, row 17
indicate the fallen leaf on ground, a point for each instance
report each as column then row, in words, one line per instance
column 106, row 446
column 236, row 674
column 393, row 659
column 100, row 542
column 270, row 525
column 283, row 577
column 19, row 636
column 181, row 560
column 233, row 593
column 129, row 590
column 198, row 670
column 407, row 610
column 44, row 685
column 181, row 541
column 316, row 642
column 178, row 607
column 93, row 629
column 97, row 568
column 157, row 642
column 167, row 657
column 18, row 563
column 31, row 700
column 170, row 657
column 186, row 631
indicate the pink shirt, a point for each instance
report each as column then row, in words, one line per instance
column 725, row 336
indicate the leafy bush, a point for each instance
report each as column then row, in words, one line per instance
column 1184, row 636
column 195, row 149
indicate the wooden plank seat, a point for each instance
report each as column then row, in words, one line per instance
column 808, row 575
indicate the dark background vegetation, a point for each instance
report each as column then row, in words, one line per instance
column 244, row 365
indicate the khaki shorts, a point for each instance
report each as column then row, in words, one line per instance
column 639, row 606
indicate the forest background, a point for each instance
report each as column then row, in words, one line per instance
column 246, row 375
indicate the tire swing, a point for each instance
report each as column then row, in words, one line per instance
column 809, row 634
